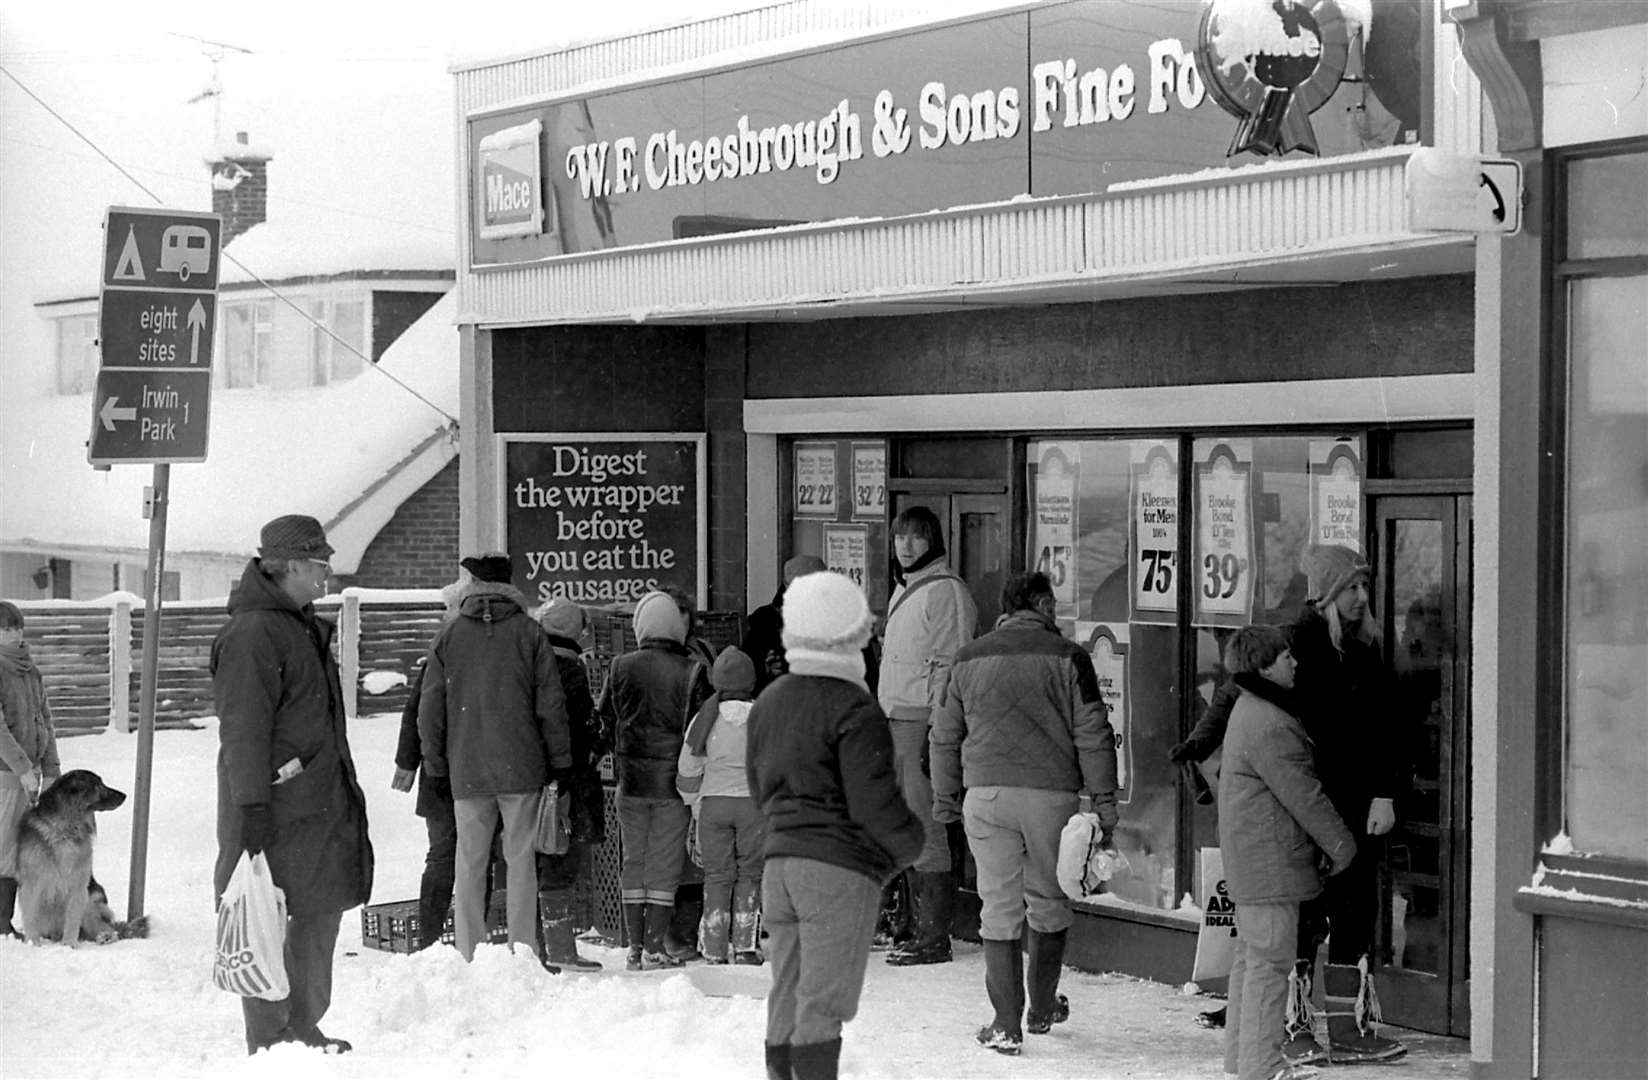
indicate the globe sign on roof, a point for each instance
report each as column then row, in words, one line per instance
column 1270, row 64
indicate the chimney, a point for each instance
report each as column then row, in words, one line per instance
column 240, row 185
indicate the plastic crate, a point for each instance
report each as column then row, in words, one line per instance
column 394, row 927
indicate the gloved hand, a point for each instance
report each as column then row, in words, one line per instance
column 257, row 827
column 402, row 780
column 946, row 808
column 1107, row 838
column 1186, row 751
column 33, row 784
column 1381, row 817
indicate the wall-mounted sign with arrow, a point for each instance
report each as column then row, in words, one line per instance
column 156, row 325
column 1462, row 193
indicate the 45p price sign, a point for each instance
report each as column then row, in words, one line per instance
column 1055, row 536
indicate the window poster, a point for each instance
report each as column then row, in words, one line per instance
column 847, row 550
column 1155, row 512
column 603, row 519
column 1055, row 523
column 1224, row 533
column 815, row 479
column 870, row 480
column 1107, row 643
column 1335, row 493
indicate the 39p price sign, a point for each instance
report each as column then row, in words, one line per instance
column 1224, row 534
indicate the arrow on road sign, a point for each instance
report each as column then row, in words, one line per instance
column 109, row 413
column 197, row 319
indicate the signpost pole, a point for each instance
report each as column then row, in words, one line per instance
column 146, row 701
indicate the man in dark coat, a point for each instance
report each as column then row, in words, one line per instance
column 285, row 778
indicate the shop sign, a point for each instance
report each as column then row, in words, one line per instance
column 509, row 180
column 870, row 480
column 1224, row 535
column 846, row 550
column 1055, row 530
column 1335, row 493
column 1058, row 99
column 1271, row 63
column 1108, row 645
column 603, row 519
column 815, row 487
column 1155, row 503
column 1462, row 193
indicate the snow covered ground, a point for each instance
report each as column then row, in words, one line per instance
column 148, row 1008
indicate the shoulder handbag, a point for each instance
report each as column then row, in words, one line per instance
column 905, row 595
column 554, row 832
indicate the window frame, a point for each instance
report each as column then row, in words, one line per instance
column 89, row 360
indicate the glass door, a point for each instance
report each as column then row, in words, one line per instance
column 1422, row 545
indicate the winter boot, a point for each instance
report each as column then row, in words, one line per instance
column 635, row 921
column 1047, row 1005
column 1353, row 1008
column 1212, row 1018
column 681, row 932
column 746, row 922
column 654, row 953
column 1299, row 1045
column 778, row 1061
column 716, row 925
column 560, row 942
column 935, row 899
column 893, row 923
column 815, row 1061
column 1004, row 983
column 8, row 906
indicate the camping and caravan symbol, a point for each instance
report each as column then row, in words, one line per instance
column 185, row 250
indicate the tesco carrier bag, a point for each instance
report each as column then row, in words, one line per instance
column 251, row 933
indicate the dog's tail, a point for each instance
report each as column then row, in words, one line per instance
column 134, row 928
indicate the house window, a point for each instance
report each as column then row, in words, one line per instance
column 248, row 335
column 76, row 354
column 336, row 359
column 1600, row 300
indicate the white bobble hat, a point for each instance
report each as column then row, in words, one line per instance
column 825, row 613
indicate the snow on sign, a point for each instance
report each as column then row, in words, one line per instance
column 157, row 319
column 1462, row 193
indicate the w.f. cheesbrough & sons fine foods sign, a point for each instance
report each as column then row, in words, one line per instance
column 1056, row 99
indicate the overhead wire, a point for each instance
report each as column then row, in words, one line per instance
column 366, row 361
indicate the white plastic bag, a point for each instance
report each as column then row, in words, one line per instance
column 1084, row 862
column 1216, row 941
column 251, row 933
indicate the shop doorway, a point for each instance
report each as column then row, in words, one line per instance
column 975, row 536
column 1422, row 551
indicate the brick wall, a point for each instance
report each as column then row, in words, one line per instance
column 418, row 549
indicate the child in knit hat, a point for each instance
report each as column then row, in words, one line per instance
column 730, row 831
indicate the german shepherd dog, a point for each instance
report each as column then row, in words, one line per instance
column 58, row 897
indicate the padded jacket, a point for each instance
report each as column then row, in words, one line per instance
column 643, row 711
column 920, row 642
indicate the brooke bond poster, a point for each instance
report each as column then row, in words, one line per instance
column 1336, row 493
column 603, row 519
column 1225, row 564
column 1152, row 570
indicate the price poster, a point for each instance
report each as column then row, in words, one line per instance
column 1108, row 643
column 815, row 479
column 1335, row 493
column 1055, row 530
column 870, row 480
column 846, row 550
column 1224, row 533
column 1152, row 571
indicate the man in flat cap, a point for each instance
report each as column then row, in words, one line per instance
column 286, row 782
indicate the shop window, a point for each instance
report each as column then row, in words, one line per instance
column 76, row 354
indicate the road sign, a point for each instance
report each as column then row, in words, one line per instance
column 1461, row 193
column 157, row 320
column 155, row 416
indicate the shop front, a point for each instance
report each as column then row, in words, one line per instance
column 1004, row 267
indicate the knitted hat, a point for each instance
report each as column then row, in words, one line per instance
column 801, row 564
column 294, row 536
column 1330, row 569
column 825, row 613
column 562, row 618
column 733, row 673
column 656, row 616
column 492, row 566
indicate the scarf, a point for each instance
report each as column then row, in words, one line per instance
column 1280, row 696
column 15, row 659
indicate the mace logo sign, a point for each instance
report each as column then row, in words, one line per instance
column 512, row 189
column 156, row 324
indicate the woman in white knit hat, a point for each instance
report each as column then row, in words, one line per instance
column 820, row 765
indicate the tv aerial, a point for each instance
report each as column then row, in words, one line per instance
column 215, row 51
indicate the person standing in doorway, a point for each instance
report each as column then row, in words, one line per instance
column 286, row 781
column 930, row 616
column 1023, row 730
column 28, row 749
column 493, row 720
column 819, row 763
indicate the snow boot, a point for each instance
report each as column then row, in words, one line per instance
column 1299, row 1045
column 635, row 921
column 8, row 907
column 1212, row 1018
column 681, row 932
column 1047, row 1005
column 893, row 923
column 746, row 922
column 778, row 1061
column 654, row 953
column 555, row 924
column 1353, row 1008
column 815, row 1061
column 1004, row 983
column 715, row 927
column 935, row 899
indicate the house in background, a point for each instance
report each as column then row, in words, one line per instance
column 334, row 394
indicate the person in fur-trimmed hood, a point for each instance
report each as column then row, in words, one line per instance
column 493, row 720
